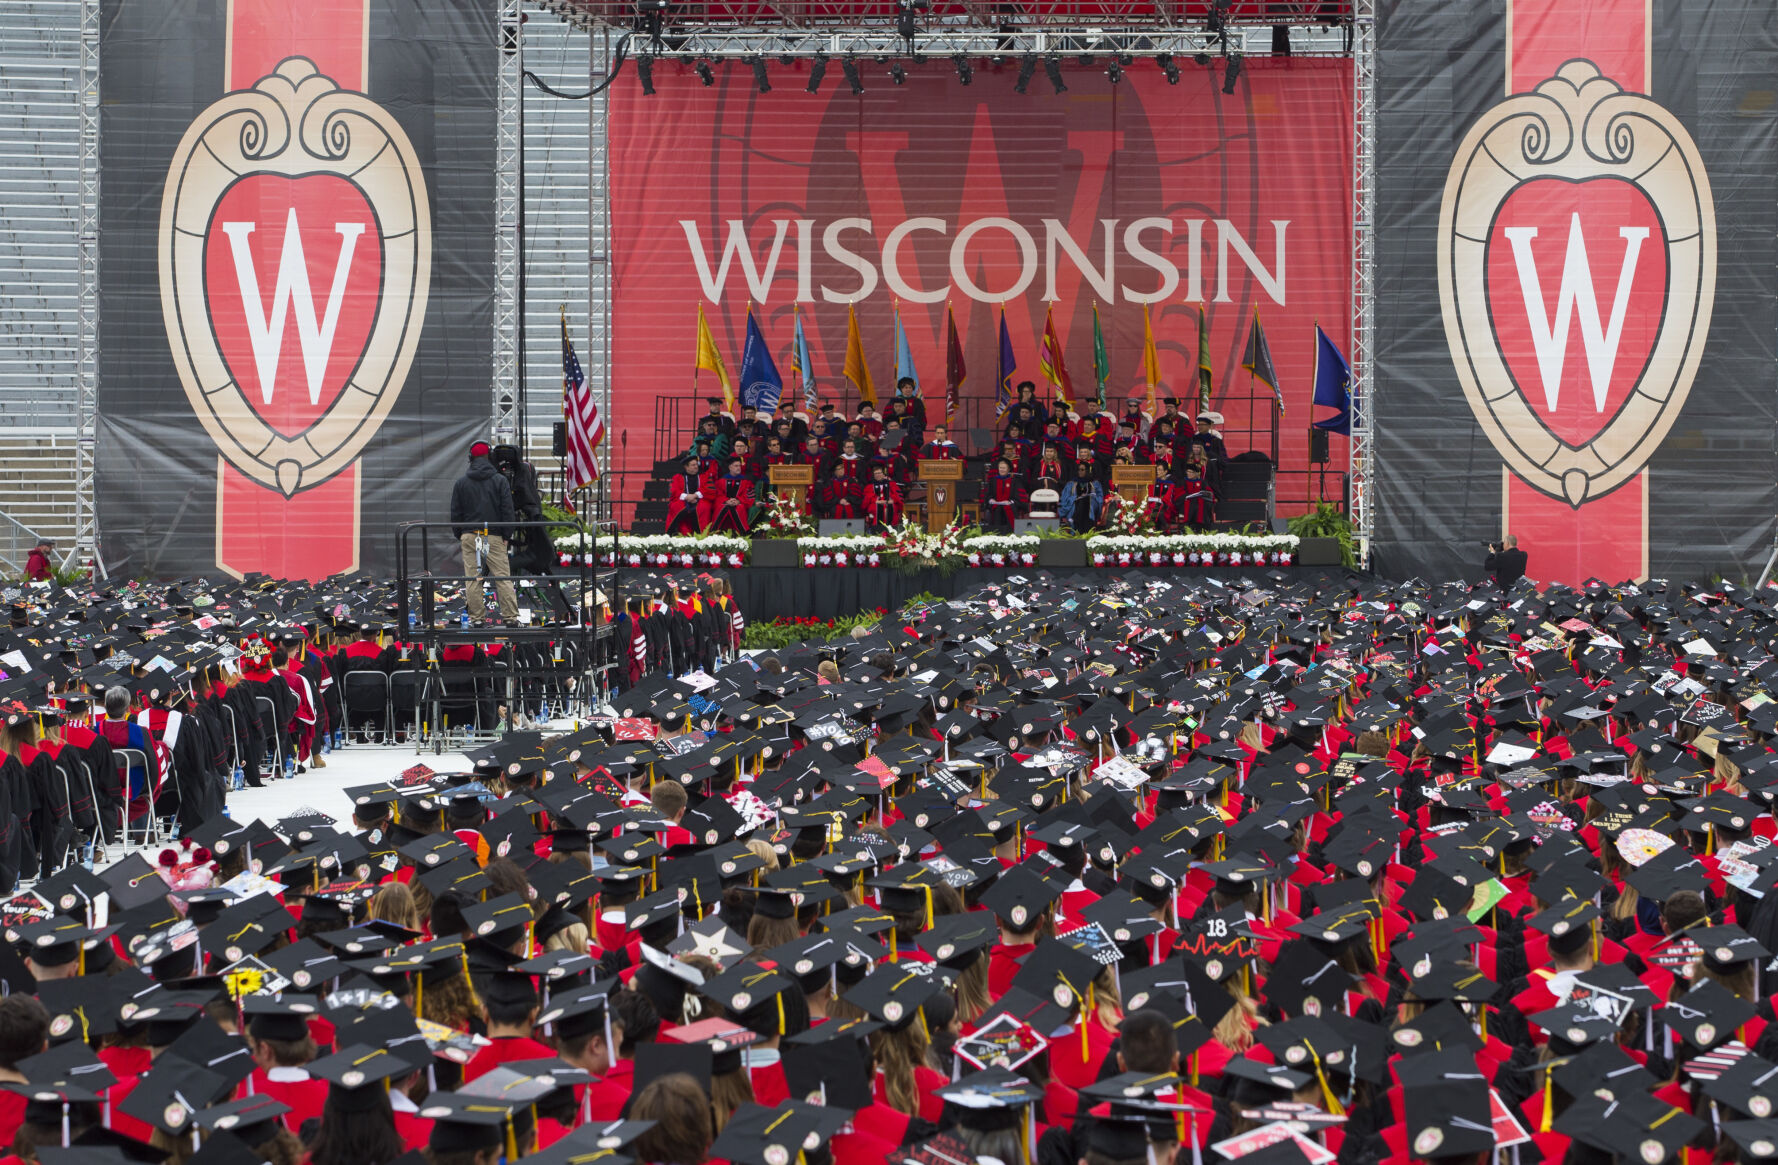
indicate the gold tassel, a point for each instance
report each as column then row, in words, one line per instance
column 1085, row 1051
column 1549, row 1088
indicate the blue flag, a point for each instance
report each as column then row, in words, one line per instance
column 1003, row 384
column 904, row 357
column 1333, row 383
column 761, row 386
column 803, row 369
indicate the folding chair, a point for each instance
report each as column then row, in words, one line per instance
column 373, row 683
column 407, row 689
column 268, row 719
column 127, row 759
column 237, row 755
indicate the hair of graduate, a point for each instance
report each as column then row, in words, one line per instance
column 1682, row 910
column 972, row 989
column 668, row 797
column 898, row 1052
column 765, row 933
column 82, row 1115
column 684, row 1123
column 485, row 1156
column 24, row 1026
column 447, row 915
column 728, row 1092
column 394, row 902
column 1001, row 1144
column 282, row 1147
column 288, row 1053
column 737, row 908
column 1147, row 1041
column 508, row 878
column 117, row 702
column 280, row 659
column 353, row 1136
column 763, row 1017
column 641, row 1022
column 448, row 1002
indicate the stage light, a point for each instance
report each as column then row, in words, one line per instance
column 1053, row 67
column 1165, row 61
column 1233, row 75
column 852, row 78
column 1114, row 71
column 1280, row 40
column 965, row 71
column 645, row 74
column 1027, row 66
column 760, row 81
column 898, row 74
column 706, row 74
column 1201, row 59
column 817, row 70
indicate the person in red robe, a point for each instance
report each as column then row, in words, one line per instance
column 728, row 504
column 841, row 495
column 1197, row 498
column 1003, row 498
column 685, row 494
column 882, row 499
column 511, row 1004
column 1165, row 500
column 941, row 447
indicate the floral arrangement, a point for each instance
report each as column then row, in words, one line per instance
column 1192, row 549
column 661, row 550
column 842, row 550
column 786, row 519
column 186, row 866
column 908, row 546
column 1002, row 549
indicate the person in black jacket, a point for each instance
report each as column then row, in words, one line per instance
column 1506, row 562
column 481, row 517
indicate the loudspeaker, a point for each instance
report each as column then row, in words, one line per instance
column 1317, row 446
column 558, row 439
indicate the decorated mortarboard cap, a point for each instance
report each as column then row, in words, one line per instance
column 1725, row 947
column 1707, row 1015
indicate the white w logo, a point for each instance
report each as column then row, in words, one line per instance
column 1551, row 343
column 267, row 337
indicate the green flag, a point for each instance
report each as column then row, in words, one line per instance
column 1101, row 361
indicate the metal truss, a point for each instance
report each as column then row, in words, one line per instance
column 509, row 155
column 1364, row 209
column 991, row 15
column 87, row 263
column 598, row 364
column 731, row 42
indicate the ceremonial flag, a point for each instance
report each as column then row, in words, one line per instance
column 1050, row 360
column 1258, row 360
column 802, row 369
column 1003, row 385
column 904, row 356
column 1151, row 362
column 1101, row 361
column 955, row 373
column 857, row 371
column 710, row 360
column 585, row 428
column 1206, row 374
column 761, row 386
column 1333, row 384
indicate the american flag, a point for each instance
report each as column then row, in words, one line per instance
column 586, row 429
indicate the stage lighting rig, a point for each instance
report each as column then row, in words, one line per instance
column 965, row 70
column 1165, row 61
column 760, row 80
column 898, row 74
column 1027, row 67
column 654, row 15
column 1233, row 74
column 706, row 74
column 1202, row 60
column 906, row 23
column 817, row 70
column 645, row 74
column 1053, row 67
column 1217, row 20
column 1114, row 71
column 850, row 68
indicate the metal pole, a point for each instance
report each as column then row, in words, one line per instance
column 1364, row 209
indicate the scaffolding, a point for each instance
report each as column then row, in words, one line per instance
column 1364, row 209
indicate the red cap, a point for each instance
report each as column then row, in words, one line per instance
column 480, row 449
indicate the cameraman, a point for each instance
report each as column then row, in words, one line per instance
column 1506, row 562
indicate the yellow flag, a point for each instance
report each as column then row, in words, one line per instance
column 1151, row 363
column 857, row 371
column 710, row 360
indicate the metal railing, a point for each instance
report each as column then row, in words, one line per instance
column 16, row 543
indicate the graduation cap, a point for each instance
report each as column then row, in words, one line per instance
column 356, row 1073
column 1446, row 1106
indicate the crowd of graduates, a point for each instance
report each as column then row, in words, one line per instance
column 1140, row 872
column 1049, row 461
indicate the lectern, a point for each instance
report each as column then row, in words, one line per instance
column 1132, row 482
column 793, row 482
column 940, row 479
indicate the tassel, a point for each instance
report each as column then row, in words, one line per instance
column 65, row 1137
column 1549, row 1104
column 1085, row 1052
column 512, row 1141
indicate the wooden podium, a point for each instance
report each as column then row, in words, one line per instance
column 940, row 479
column 793, row 482
column 1132, row 482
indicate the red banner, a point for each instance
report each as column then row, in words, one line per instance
column 933, row 192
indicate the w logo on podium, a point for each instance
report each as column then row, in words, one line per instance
column 1577, row 208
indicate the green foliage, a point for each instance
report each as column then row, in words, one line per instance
column 789, row 630
column 1327, row 520
column 74, row 574
column 565, row 523
column 923, row 599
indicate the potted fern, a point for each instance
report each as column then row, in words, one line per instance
column 1327, row 538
